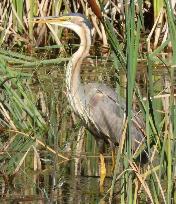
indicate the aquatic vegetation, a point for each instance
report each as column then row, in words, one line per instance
column 38, row 128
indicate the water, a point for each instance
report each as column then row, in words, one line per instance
column 54, row 182
column 49, row 186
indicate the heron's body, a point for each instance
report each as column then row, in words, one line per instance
column 100, row 108
column 106, row 112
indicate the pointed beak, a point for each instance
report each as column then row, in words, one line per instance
column 51, row 19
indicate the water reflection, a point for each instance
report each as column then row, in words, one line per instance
column 70, row 189
column 52, row 186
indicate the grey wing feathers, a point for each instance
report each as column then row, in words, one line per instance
column 107, row 110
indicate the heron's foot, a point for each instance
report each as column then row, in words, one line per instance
column 113, row 161
column 102, row 173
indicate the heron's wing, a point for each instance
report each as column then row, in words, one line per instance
column 107, row 110
column 92, row 89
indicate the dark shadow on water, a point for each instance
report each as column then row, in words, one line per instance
column 70, row 189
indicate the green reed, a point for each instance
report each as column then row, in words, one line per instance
column 171, row 137
column 18, row 15
column 27, row 122
column 158, row 131
column 20, row 119
column 157, row 6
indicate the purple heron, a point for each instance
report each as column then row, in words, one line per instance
column 100, row 108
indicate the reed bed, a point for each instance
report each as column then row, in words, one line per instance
column 38, row 118
column 159, row 125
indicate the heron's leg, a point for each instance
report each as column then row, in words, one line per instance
column 102, row 172
column 113, row 160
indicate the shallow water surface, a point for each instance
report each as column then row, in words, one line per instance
column 69, row 189
column 55, row 182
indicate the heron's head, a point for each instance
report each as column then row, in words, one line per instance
column 73, row 21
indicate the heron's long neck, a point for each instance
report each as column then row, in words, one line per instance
column 73, row 81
